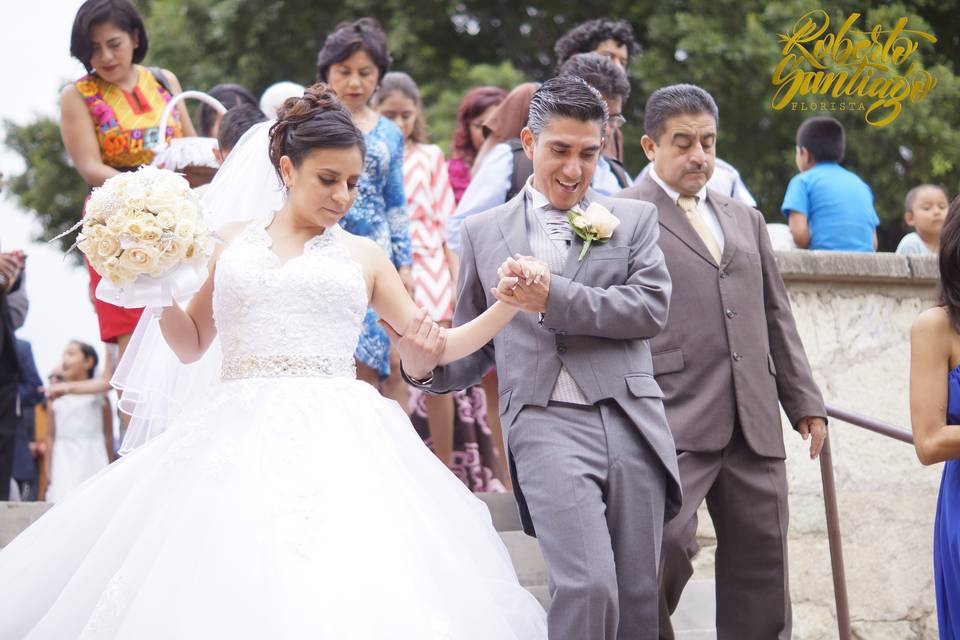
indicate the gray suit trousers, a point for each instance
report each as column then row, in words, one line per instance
column 596, row 491
column 746, row 495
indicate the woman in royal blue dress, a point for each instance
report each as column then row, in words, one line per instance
column 353, row 60
column 935, row 417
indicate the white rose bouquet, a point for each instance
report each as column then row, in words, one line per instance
column 144, row 233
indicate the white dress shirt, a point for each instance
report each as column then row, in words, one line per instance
column 707, row 214
column 725, row 179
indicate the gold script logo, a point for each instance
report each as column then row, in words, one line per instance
column 856, row 67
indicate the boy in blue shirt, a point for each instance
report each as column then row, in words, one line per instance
column 828, row 207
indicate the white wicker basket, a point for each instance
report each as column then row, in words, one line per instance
column 193, row 157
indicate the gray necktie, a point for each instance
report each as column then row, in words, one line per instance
column 557, row 225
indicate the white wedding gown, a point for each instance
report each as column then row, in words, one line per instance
column 294, row 502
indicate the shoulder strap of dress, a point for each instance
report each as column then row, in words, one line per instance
column 161, row 78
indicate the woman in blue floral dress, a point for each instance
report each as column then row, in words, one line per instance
column 352, row 61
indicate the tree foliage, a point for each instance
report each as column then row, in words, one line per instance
column 729, row 47
column 49, row 186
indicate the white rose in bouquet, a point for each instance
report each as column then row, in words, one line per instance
column 144, row 233
column 108, row 246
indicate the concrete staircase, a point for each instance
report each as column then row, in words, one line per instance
column 695, row 616
column 693, row 620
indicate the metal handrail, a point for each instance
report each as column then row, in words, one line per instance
column 864, row 422
column 833, row 511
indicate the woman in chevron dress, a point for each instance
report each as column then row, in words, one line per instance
column 454, row 426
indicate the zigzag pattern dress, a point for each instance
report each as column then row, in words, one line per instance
column 430, row 202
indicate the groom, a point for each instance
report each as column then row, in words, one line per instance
column 593, row 462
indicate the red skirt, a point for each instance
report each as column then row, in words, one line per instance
column 114, row 321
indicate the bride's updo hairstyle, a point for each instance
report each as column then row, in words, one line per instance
column 316, row 120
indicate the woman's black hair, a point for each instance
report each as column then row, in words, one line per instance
column 948, row 295
column 315, row 120
column 364, row 34
column 230, row 96
column 89, row 353
column 120, row 13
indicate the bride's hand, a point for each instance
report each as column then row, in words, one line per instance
column 505, row 291
column 528, row 269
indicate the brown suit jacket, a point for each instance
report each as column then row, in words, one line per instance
column 730, row 348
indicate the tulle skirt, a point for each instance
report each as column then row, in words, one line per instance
column 277, row 508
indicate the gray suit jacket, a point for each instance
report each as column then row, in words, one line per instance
column 730, row 348
column 601, row 314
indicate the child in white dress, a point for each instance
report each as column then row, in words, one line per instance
column 81, row 429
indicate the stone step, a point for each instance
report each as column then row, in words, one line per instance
column 694, row 619
column 503, row 510
column 17, row 516
column 696, row 614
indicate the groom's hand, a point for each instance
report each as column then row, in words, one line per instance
column 420, row 346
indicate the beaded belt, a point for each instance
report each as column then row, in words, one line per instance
column 237, row 367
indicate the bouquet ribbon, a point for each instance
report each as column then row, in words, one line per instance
column 178, row 283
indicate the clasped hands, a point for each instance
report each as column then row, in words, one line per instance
column 524, row 284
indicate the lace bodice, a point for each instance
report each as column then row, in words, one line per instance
column 299, row 318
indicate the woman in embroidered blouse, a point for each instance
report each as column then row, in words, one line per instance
column 111, row 116
column 352, row 61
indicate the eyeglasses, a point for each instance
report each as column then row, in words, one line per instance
column 617, row 120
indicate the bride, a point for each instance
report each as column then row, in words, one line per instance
column 290, row 500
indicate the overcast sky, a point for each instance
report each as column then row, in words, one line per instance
column 34, row 64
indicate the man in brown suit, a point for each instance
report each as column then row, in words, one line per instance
column 729, row 351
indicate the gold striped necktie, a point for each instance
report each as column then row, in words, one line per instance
column 689, row 206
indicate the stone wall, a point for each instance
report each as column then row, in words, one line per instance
column 854, row 313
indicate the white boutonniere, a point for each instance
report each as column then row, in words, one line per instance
column 596, row 224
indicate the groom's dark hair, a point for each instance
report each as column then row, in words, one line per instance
column 566, row 97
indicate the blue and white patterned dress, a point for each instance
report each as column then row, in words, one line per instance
column 379, row 213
